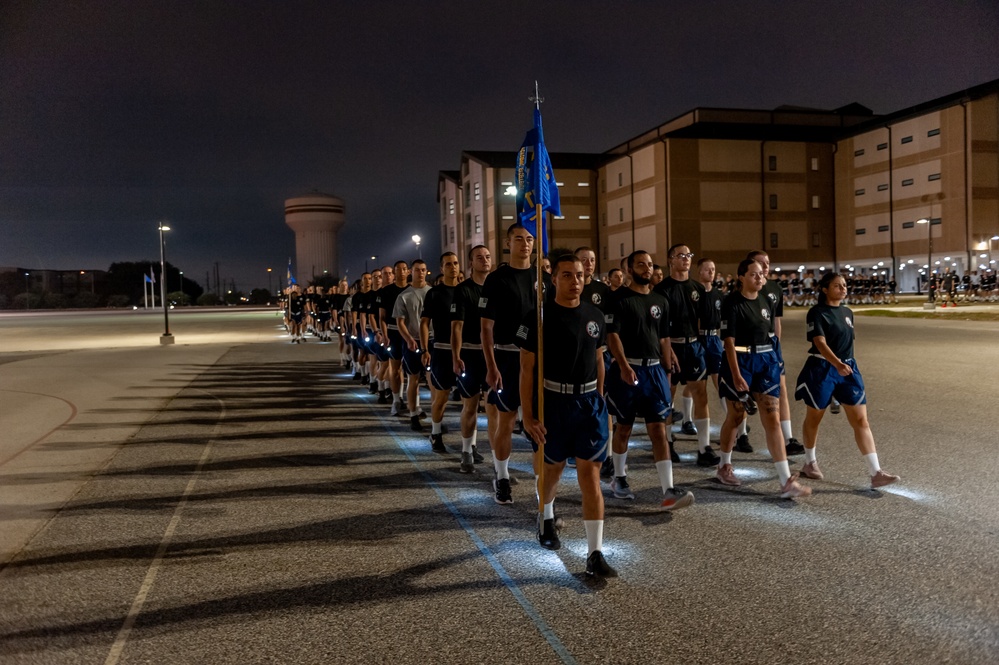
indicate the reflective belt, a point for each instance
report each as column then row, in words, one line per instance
column 821, row 357
column 762, row 348
column 570, row 388
column 643, row 362
column 506, row 347
column 709, row 333
column 442, row 346
column 469, row 345
column 682, row 340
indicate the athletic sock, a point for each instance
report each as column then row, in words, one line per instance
column 435, row 426
column 783, row 471
column 809, row 455
column 785, row 427
column 549, row 511
column 594, row 535
column 502, row 467
column 665, row 470
column 741, row 430
column 726, row 457
column 703, row 426
column 475, row 435
column 872, row 463
column 466, row 444
column 620, row 467
column 688, row 408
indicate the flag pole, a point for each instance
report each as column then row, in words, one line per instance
column 539, row 290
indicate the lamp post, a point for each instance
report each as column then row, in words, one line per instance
column 270, row 288
column 417, row 239
column 166, row 337
column 27, row 292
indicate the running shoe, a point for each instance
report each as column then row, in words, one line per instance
column 476, row 457
column 880, row 479
column 570, row 462
column 621, row 489
column 726, row 476
column 794, row 447
column 742, row 444
column 689, row 428
column 548, row 534
column 415, row 424
column 677, row 416
column 675, row 499
column 467, row 465
column 792, row 489
column 811, row 470
column 607, row 469
column 707, row 457
column 834, row 408
column 437, row 443
column 597, row 566
column 504, row 495
column 383, row 397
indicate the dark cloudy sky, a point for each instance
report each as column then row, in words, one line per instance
column 114, row 115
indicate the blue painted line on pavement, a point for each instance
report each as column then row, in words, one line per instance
column 508, row 582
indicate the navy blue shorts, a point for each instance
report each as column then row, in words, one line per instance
column 692, row 365
column 441, row 369
column 650, row 399
column 412, row 361
column 508, row 363
column 396, row 345
column 761, row 371
column 297, row 318
column 380, row 352
column 819, row 382
column 473, row 381
column 714, row 353
column 369, row 341
column 775, row 340
column 577, row 427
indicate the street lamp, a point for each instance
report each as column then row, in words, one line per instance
column 166, row 337
column 270, row 288
column 417, row 239
column 27, row 292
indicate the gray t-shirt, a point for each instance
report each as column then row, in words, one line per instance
column 410, row 305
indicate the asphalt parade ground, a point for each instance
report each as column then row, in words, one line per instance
column 234, row 498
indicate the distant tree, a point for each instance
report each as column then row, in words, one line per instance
column 85, row 300
column 233, row 297
column 27, row 301
column 119, row 300
column 11, row 284
column 55, row 301
column 208, row 300
column 128, row 277
column 178, row 298
column 260, row 297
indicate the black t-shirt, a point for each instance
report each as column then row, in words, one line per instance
column 385, row 299
column 597, row 294
column 684, row 299
column 437, row 308
column 572, row 337
column 465, row 308
column 773, row 293
column 297, row 303
column 711, row 309
column 362, row 305
column 640, row 320
column 836, row 325
column 750, row 322
column 507, row 296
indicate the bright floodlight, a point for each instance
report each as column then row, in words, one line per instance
column 164, row 227
column 511, row 191
column 995, row 237
column 416, row 239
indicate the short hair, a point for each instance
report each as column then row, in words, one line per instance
column 415, row 261
column 757, row 252
column 701, row 262
column 475, row 248
column 446, row 254
column 673, row 248
column 584, row 248
column 563, row 258
column 365, row 273
column 631, row 257
column 613, row 270
column 744, row 266
column 656, row 266
column 396, row 265
column 513, row 227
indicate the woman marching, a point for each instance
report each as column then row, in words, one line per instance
column 831, row 372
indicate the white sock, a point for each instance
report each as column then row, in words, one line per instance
column 418, row 409
column 810, row 455
column 619, row 464
column 741, row 431
column 872, row 463
column 435, row 427
column 594, row 535
column 703, row 426
column 475, row 435
column 665, row 470
column 466, row 444
column 549, row 511
column 785, row 427
column 502, row 467
column 688, row 408
column 783, row 471
column 726, row 457
column 413, row 414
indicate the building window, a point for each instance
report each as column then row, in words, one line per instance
column 444, row 232
column 859, row 192
column 620, row 179
column 468, row 224
column 906, row 139
column 861, row 232
column 882, row 187
column 450, row 206
column 773, row 241
column 478, row 224
column 933, row 176
column 858, row 153
column 816, row 239
column 815, row 163
column 452, row 235
column 507, row 216
column 620, row 214
column 468, row 192
column 772, row 162
column 907, row 182
column 883, row 228
column 815, row 202
column 908, row 225
column 882, row 146
column 478, row 193
column 933, row 132
column 603, row 220
column 583, row 184
column 935, row 221
column 605, row 252
column 584, row 216
column 622, row 250
column 773, row 201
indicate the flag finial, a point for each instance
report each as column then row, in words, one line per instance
column 537, row 98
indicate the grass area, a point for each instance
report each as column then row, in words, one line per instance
column 949, row 314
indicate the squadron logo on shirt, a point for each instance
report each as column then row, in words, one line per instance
column 695, row 295
column 773, row 297
column 522, row 332
column 454, row 308
column 592, row 329
column 483, row 302
column 849, row 322
column 766, row 314
column 811, row 327
column 718, row 305
column 656, row 312
column 595, row 298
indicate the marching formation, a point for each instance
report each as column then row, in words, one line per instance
column 632, row 348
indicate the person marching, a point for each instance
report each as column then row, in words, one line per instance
column 395, row 344
column 638, row 385
column 406, row 312
column 831, row 371
column 296, row 313
column 359, row 323
column 684, row 296
column 437, row 358
column 575, row 413
column 466, row 352
column 752, row 366
column 508, row 294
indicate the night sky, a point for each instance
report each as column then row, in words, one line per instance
column 114, row 115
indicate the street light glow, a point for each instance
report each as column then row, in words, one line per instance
column 416, row 239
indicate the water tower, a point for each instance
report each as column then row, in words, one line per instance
column 316, row 220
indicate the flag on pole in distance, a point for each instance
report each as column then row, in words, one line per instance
column 152, row 275
column 291, row 278
column 147, row 278
column 536, row 183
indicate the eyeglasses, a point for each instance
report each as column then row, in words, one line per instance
column 689, row 255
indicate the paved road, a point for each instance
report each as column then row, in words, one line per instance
column 235, row 501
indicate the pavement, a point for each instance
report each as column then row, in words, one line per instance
column 236, row 498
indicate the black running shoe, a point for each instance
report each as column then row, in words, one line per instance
column 707, row 458
column 357, row 376
column 415, row 424
column 476, row 457
column 504, row 494
column 373, row 387
column 548, row 534
column 383, row 397
column 437, row 443
column 673, row 457
column 689, row 428
column 607, row 469
column 597, row 566
column 742, row 444
column 677, row 416
column 794, row 447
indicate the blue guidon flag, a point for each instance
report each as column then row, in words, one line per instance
column 536, row 183
column 291, row 278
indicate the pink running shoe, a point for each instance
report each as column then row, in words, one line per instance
column 726, row 475
column 880, row 479
column 793, row 489
column 811, row 470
